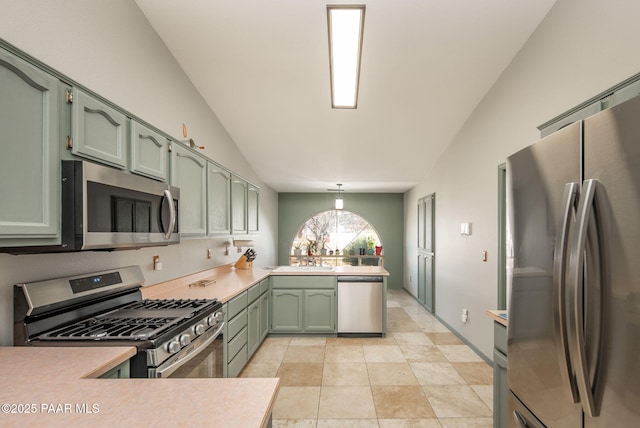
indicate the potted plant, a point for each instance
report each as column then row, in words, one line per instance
column 297, row 249
column 312, row 246
column 370, row 245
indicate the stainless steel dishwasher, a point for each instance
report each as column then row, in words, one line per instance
column 360, row 305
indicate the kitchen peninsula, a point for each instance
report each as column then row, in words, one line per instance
column 50, row 386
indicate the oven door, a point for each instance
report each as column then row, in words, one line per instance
column 201, row 359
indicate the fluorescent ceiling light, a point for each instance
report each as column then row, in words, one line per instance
column 346, row 26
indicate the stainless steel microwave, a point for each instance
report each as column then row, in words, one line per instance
column 107, row 209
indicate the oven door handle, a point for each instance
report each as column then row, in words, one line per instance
column 166, row 371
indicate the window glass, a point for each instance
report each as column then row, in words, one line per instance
column 337, row 233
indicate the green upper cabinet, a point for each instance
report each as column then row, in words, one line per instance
column 239, row 189
column 30, row 107
column 219, row 200
column 253, row 194
column 148, row 152
column 99, row 132
column 189, row 173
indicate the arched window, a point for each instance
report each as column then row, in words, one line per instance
column 338, row 233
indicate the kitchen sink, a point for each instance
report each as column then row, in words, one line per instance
column 304, row 269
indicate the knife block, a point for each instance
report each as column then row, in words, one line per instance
column 242, row 263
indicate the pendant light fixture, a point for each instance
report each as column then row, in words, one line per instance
column 339, row 200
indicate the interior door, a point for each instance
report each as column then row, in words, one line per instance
column 426, row 251
column 612, row 316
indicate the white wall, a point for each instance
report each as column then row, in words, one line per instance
column 581, row 48
column 109, row 47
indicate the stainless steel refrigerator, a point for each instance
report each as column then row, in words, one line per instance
column 573, row 275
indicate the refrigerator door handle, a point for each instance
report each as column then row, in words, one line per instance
column 560, row 263
column 577, row 281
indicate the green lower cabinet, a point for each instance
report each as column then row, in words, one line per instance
column 235, row 335
column 319, row 311
column 303, row 311
column 500, row 384
column 286, row 311
column 264, row 315
column 253, row 332
column 247, row 325
column 121, row 371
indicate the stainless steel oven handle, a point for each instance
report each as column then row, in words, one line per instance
column 166, row 371
column 172, row 217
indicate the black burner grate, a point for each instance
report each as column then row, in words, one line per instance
column 141, row 320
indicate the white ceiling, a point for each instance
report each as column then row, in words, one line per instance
column 263, row 68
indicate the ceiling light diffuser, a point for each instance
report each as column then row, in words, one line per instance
column 346, row 26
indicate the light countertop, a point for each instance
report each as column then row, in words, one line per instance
column 227, row 281
column 58, row 387
column 498, row 315
column 338, row 270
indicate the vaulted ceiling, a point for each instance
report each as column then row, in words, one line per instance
column 263, row 68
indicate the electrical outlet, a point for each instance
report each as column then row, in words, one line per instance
column 209, row 254
column 157, row 264
column 465, row 316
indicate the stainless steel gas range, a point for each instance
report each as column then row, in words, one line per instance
column 106, row 309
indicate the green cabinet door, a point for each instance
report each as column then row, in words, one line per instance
column 500, row 390
column 286, row 311
column 148, row 152
column 121, row 371
column 319, row 311
column 98, row 131
column 238, row 205
column 253, row 332
column 30, row 103
column 218, row 200
column 189, row 173
column 500, row 384
column 253, row 199
column 264, row 316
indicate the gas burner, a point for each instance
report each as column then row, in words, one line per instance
column 171, row 304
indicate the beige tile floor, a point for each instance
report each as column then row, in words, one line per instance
column 419, row 375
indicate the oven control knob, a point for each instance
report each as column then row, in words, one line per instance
column 199, row 329
column 185, row 339
column 214, row 319
column 173, row 346
column 210, row 320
